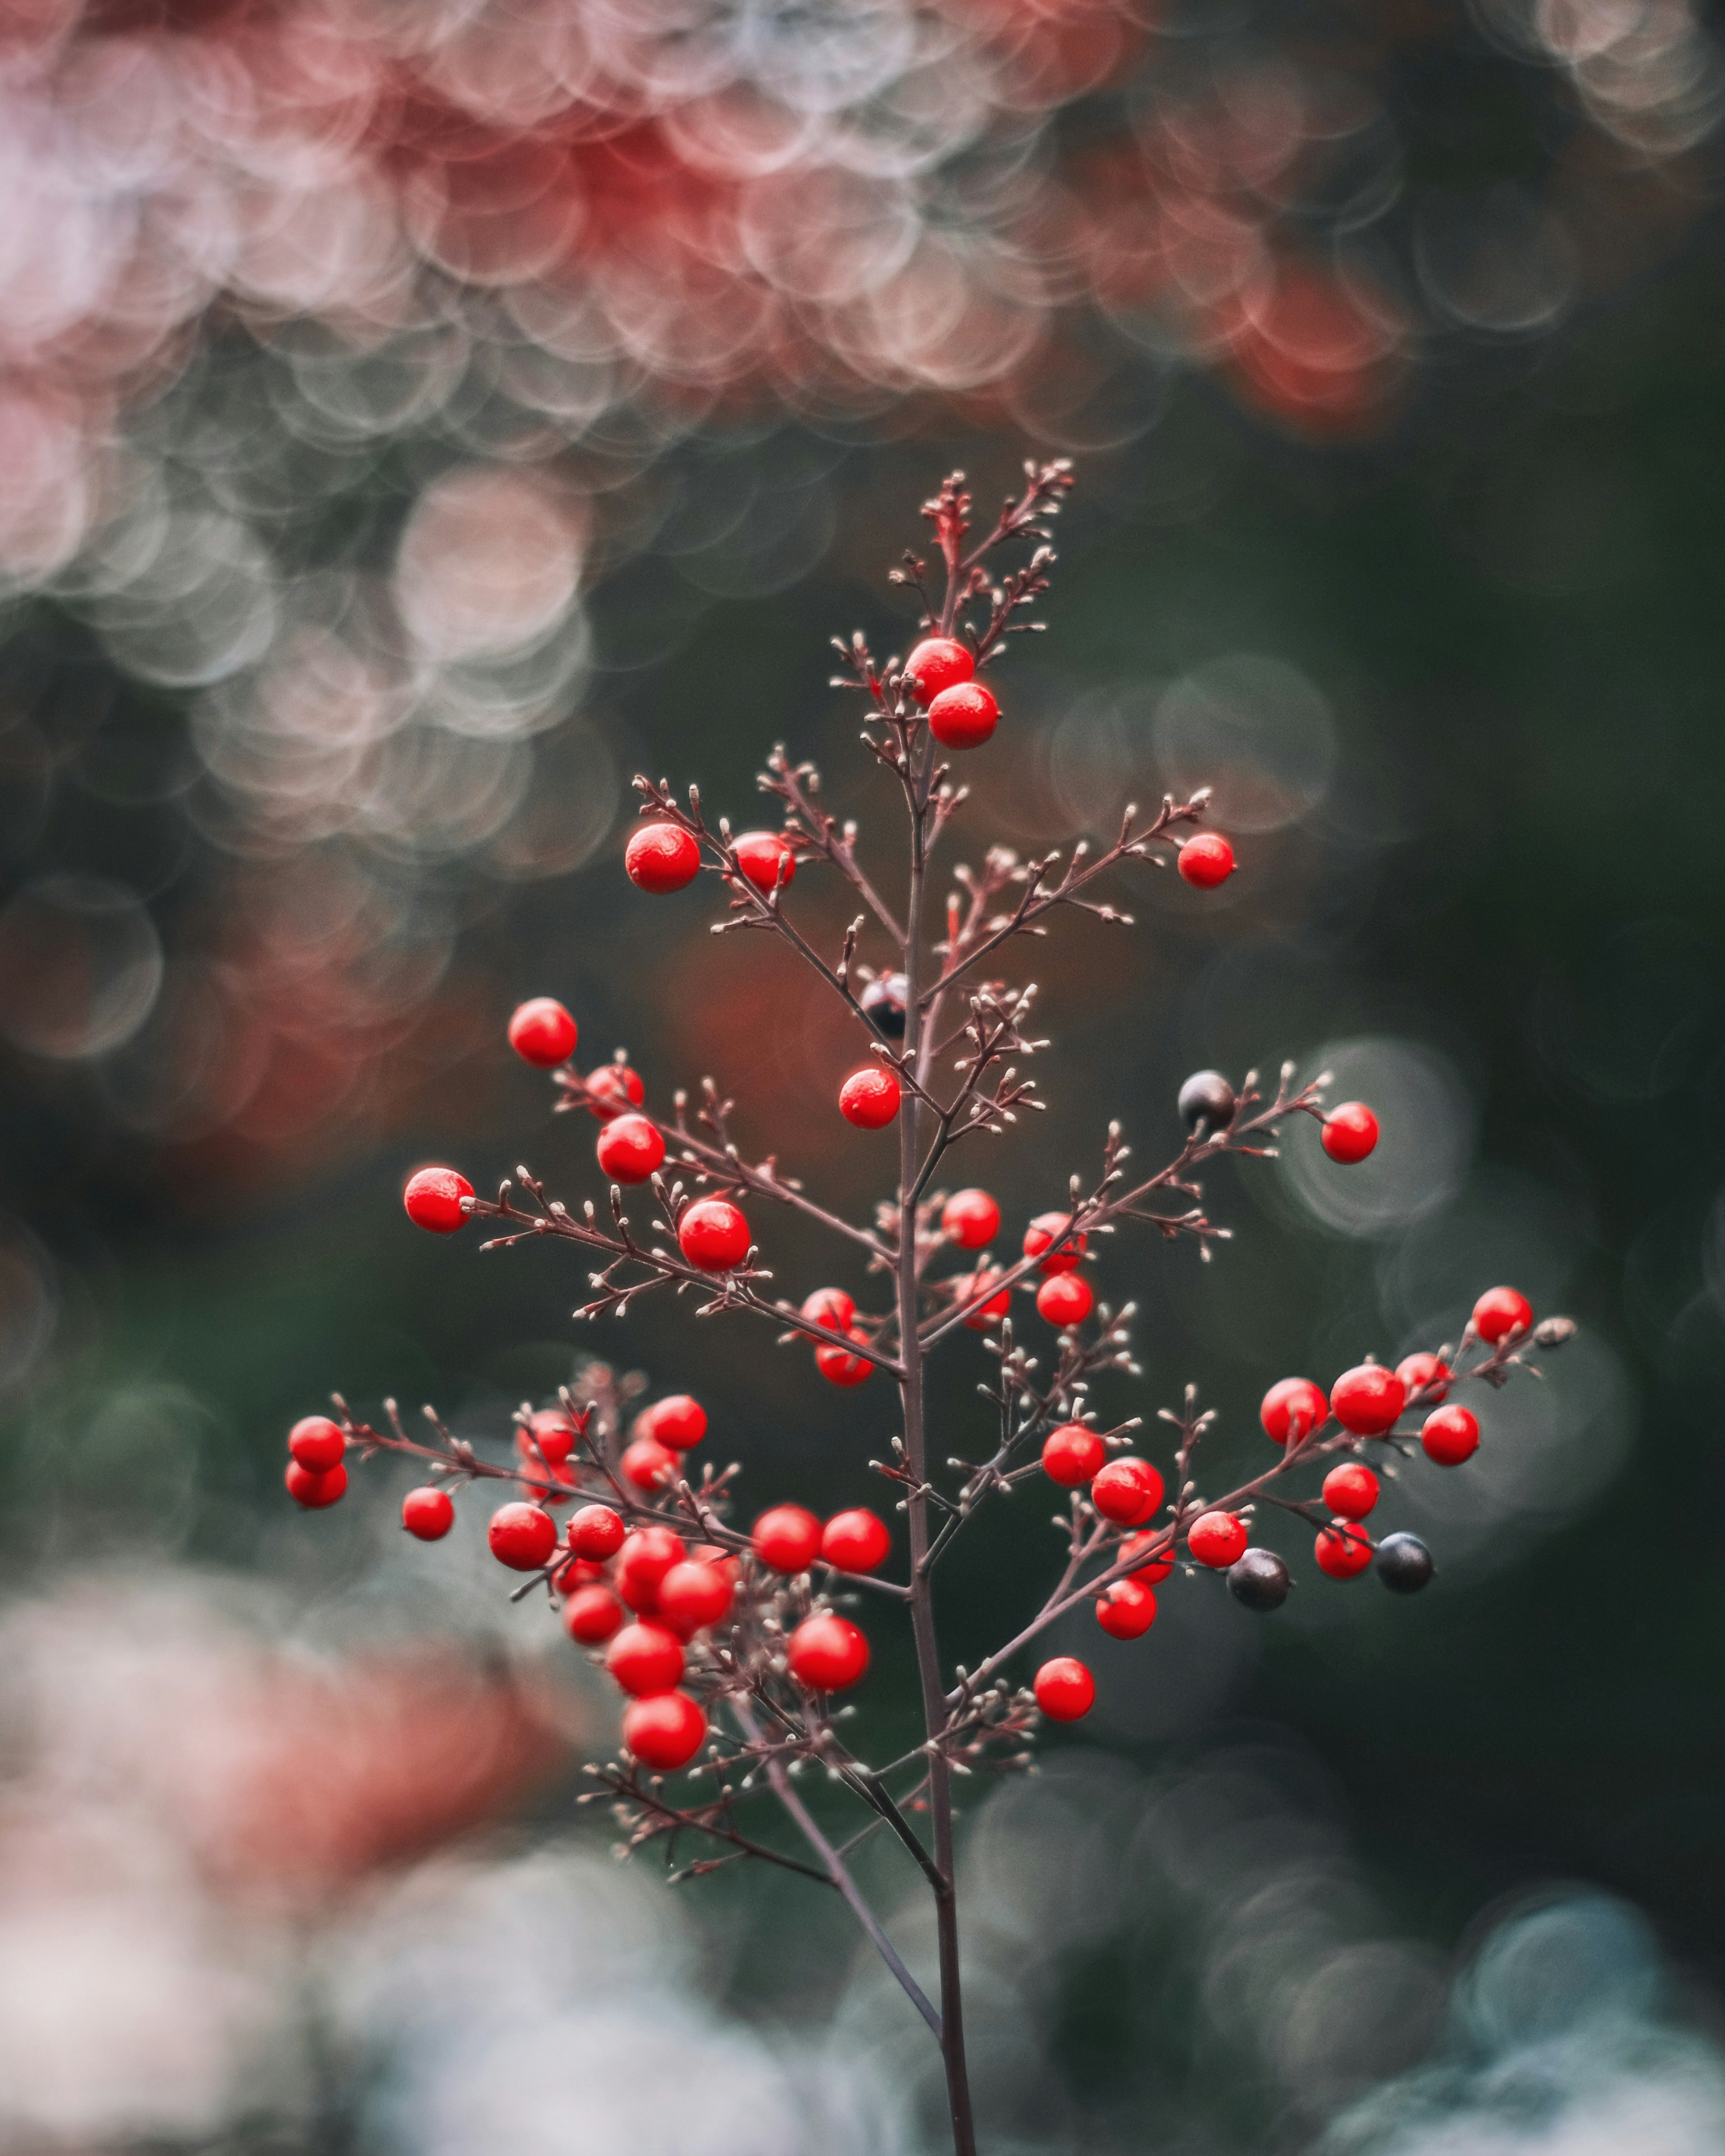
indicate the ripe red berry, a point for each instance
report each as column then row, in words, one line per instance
column 1042, row 1232
column 1342, row 1550
column 432, row 1199
column 830, row 1306
column 1367, row 1400
column 989, row 1312
column 553, row 1435
column 1423, row 1373
column 661, row 858
column 871, row 1098
column 856, row 1541
column 648, row 1465
column 542, row 1032
column 679, row 1421
column 964, row 716
column 940, row 663
column 759, row 855
column 428, row 1514
column 827, row 1653
column 1350, row 1132
column 1293, row 1407
column 839, row 1368
column 970, row 1219
column 787, row 1538
column 614, row 1089
column 1065, row 1300
column 1071, row 1454
column 1500, row 1312
column 1206, row 860
column 317, row 1444
column 522, row 1536
column 1064, row 1689
column 693, row 1595
column 592, row 1615
column 1127, row 1610
column 1127, row 1491
column 630, row 1148
column 665, row 1732
column 1158, row 1568
column 1451, row 1434
column 713, row 1234
column 645, row 1658
column 576, row 1572
column 1217, row 1539
column 596, row 1533
column 645, row 1558
column 315, row 1491
column 1351, row 1489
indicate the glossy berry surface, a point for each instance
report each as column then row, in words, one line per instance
column 645, row 1558
column 522, row 1536
column 766, row 860
column 938, row 663
column 1501, row 1311
column 1350, row 1489
column 713, row 1235
column 1040, row 1236
column 428, row 1513
column 1065, row 1299
column 693, row 1595
column 988, row 1312
column 1367, row 1400
column 592, row 1615
column 884, row 1003
column 630, row 1148
column 870, row 1098
column 1404, row 1563
column 665, row 1731
column 1127, row 1491
column 679, row 1421
column 1293, row 1407
column 646, row 1657
column 839, row 1367
column 830, row 1306
column 596, row 1533
column 552, row 1434
column 1350, row 1132
column 856, row 1541
column 787, row 1538
column 1342, row 1551
column 661, row 858
column 1217, row 1539
column 964, row 716
column 1259, row 1581
column 648, row 1465
column 1206, row 1104
column 1064, row 1689
column 1206, row 860
column 1425, row 1373
column 317, row 1444
column 542, row 1032
column 971, row 1218
column 1450, row 1434
column 312, row 1491
column 614, row 1089
column 1155, row 1569
column 433, row 1199
column 1071, row 1454
column 827, row 1653
column 1127, row 1610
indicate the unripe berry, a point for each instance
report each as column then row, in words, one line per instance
column 1156, row 1569
column 856, row 1541
column 1217, row 1539
column 317, row 1444
column 839, row 1367
column 648, row 1465
column 1501, row 1312
column 766, row 860
column 645, row 1558
column 592, row 1615
column 970, row 1219
column 991, row 1311
column 693, row 1595
column 1351, row 1490
column 596, row 1533
column 645, row 1658
column 1064, row 1689
column 1071, row 1454
column 1259, row 1581
column 522, row 1536
column 885, row 1003
column 1040, row 1235
column 1343, row 1551
column 1206, row 860
column 614, row 1089
column 1350, row 1132
column 661, row 858
column 542, row 1032
column 315, row 1491
column 964, row 716
column 713, row 1234
column 428, row 1513
column 827, row 1653
column 1404, row 1563
column 871, row 1098
column 787, row 1538
column 1423, row 1373
column 1206, row 1104
column 1293, row 1407
column 1127, row 1491
column 1450, row 1434
column 830, row 1306
column 679, row 1422
column 432, row 1199
column 1127, row 1610
column 1065, row 1300
column 1368, row 1399
column 939, row 663
column 553, row 1435
column 664, row 1732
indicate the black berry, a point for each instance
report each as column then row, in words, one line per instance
column 1259, row 1580
column 884, row 1001
column 1206, row 1103
column 1404, row 1563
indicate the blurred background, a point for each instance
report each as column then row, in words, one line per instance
column 416, row 416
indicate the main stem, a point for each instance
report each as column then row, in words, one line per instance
column 928, row 1663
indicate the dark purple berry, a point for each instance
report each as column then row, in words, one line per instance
column 884, row 1002
column 1259, row 1580
column 1404, row 1563
column 1206, row 1103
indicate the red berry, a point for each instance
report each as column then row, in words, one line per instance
column 830, row 1306
column 1350, row 1132
column 839, row 1368
column 964, row 716
column 630, row 1148
column 787, row 1538
column 1423, row 1373
column 661, row 858
column 649, row 1465
column 433, row 1198
column 1351, row 1489
column 1065, row 1300
column 1293, row 1407
column 645, row 1658
column 317, row 1444
column 759, row 855
column 1206, row 860
column 596, row 1533
column 542, row 1032
column 1127, row 1610
column 1217, row 1539
column 1064, row 1689
column 576, row 1572
column 614, row 1089
column 553, row 1435
column 713, row 1234
column 693, row 1595
column 970, row 1219
column 988, row 1312
column 1042, row 1232
column 1451, row 1435
column 827, row 1653
column 646, row 1558
column 1071, row 1454
column 1127, row 1491
column 665, row 1732
column 428, row 1513
column 679, row 1421
column 856, row 1541
column 939, row 663
column 1500, row 1312
column 592, row 1615
column 1342, row 1550
column 871, row 1098
column 315, row 1491
column 1158, row 1568
column 522, row 1536
column 1367, row 1400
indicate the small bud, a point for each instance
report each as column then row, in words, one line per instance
column 1554, row 1331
